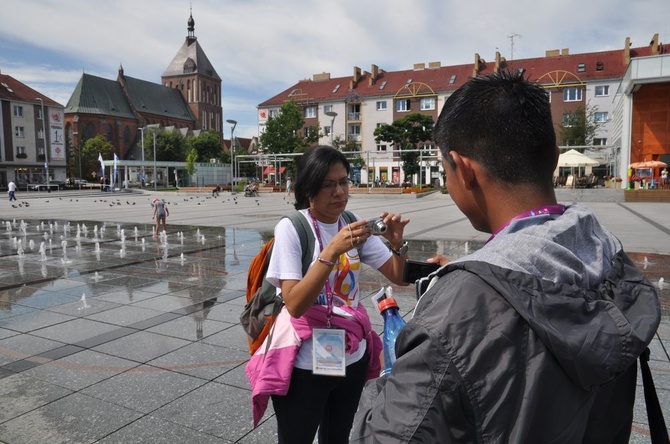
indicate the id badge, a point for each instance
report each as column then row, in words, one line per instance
column 328, row 352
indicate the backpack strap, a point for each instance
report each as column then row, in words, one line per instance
column 307, row 241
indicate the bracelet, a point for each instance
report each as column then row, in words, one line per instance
column 325, row 262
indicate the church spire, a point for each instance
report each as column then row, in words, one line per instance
column 191, row 27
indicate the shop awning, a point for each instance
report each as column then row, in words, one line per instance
column 271, row 170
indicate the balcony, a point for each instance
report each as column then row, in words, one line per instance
column 355, row 137
column 354, row 116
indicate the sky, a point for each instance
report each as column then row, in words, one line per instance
column 262, row 47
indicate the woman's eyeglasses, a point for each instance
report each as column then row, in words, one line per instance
column 330, row 185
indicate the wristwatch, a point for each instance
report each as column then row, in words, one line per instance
column 404, row 248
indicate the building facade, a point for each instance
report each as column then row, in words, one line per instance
column 32, row 142
column 351, row 108
column 187, row 99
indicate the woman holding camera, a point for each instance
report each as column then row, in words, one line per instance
column 338, row 349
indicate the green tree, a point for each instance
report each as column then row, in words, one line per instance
column 191, row 159
column 170, row 146
column 579, row 126
column 207, row 145
column 92, row 148
column 351, row 150
column 282, row 132
column 406, row 133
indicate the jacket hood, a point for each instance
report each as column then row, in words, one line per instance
column 577, row 290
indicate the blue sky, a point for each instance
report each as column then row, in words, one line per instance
column 261, row 47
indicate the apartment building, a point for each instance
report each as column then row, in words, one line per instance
column 31, row 135
column 352, row 107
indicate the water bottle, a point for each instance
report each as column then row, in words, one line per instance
column 393, row 323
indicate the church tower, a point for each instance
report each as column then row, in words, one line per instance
column 193, row 75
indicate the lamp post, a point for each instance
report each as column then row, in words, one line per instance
column 155, row 179
column 44, row 138
column 232, row 154
column 142, row 169
column 76, row 133
column 331, row 114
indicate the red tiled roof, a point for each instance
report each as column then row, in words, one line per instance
column 316, row 91
column 20, row 92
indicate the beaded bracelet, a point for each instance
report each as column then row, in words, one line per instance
column 323, row 261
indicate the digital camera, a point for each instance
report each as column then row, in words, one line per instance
column 377, row 226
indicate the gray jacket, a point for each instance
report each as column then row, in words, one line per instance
column 533, row 339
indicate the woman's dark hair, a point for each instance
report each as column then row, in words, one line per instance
column 312, row 169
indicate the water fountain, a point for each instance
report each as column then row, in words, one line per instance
column 203, row 239
column 31, row 245
column 83, row 304
column 136, row 234
column 181, row 258
column 43, row 251
column 78, row 232
column 8, row 224
column 95, row 233
column 19, row 250
column 96, row 276
column 65, row 260
column 84, row 229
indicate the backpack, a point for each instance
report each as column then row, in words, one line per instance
column 263, row 303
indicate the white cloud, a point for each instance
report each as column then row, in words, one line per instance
column 260, row 48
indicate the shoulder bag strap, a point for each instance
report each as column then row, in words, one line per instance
column 657, row 429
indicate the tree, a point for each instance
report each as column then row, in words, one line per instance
column 579, row 126
column 282, row 132
column 94, row 147
column 351, row 150
column 406, row 133
column 170, row 146
column 207, row 146
column 191, row 159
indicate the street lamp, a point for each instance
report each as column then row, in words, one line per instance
column 76, row 133
column 142, row 172
column 155, row 181
column 232, row 154
column 332, row 114
column 44, row 144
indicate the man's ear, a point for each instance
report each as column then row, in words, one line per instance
column 466, row 170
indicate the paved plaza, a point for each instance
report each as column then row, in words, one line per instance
column 108, row 335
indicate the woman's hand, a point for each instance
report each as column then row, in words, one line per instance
column 350, row 236
column 395, row 228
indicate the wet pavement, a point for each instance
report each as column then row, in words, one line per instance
column 108, row 335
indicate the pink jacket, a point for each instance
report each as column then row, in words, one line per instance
column 270, row 373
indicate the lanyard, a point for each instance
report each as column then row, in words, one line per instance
column 546, row 209
column 329, row 291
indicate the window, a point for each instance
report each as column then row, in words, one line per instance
column 600, row 116
column 381, row 105
column 599, row 141
column 18, row 111
column 452, row 79
column 327, row 130
column 310, row 112
column 599, row 66
column 354, row 130
column 427, row 103
column 381, row 148
column 39, row 113
column 18, row 131
column 568, row 119
column 40, row 134
column 602, row 90
column 327, row 109
column 581, row 67
column 573, row 94
column 20, row 150
column 402, row 105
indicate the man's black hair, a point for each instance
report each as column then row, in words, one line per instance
column 502, row 121
column 312, row 169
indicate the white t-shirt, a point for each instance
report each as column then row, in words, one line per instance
column 286, row 264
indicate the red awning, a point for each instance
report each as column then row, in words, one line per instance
column 271, row 170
